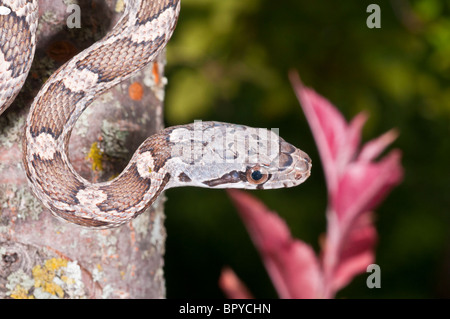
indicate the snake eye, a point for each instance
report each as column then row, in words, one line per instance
column 257, row 175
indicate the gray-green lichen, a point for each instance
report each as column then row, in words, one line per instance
column 44, row 69
column 11, row 128
column 108, row 290
column 18, row 281
column 97, row 273
column 114, row 140
column 141, row 224
column 108, row 242
column 49, row 17
column 73, row 285
column 21, row 200
column 82, row 125
column 157, row 236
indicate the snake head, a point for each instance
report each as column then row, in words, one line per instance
column 222, row 155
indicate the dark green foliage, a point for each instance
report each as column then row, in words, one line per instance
column 228, row 61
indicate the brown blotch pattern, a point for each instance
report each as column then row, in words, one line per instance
column 119, row 27
column 164, row 181
column 159, row 147
column 83, row 221
column 62, row 102
column 121, row 198
column 15, row 43
column 59, row 182
column 184, row 178
column 150, row 10
column 133, row 56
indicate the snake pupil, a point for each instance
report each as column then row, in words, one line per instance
column 256, row 175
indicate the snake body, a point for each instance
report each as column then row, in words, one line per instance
column 203, row 154
column 18, row 21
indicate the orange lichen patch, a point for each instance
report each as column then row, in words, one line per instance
column 61, row 51
column 105, row 232
column 132, row 234
column 136, row 91
column 133, row 270
column 155, row 72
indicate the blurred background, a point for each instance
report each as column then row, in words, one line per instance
column 229, row 61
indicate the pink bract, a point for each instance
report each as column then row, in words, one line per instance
column 356, row 184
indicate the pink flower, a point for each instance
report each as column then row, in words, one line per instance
column 232, row 285
column 287, row 260
column 356, row 184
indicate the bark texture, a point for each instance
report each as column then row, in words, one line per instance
column 42, row 257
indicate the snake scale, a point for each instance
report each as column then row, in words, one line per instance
column 203, row 154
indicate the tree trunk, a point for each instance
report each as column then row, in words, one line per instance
column 42, row 257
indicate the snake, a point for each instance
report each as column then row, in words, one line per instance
column 201, row 154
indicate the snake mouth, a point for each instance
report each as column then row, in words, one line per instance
column 302, row 167
column 302, row 170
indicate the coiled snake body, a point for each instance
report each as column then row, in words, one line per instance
column 204, row 154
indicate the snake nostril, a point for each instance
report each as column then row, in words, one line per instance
column 305, row 157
